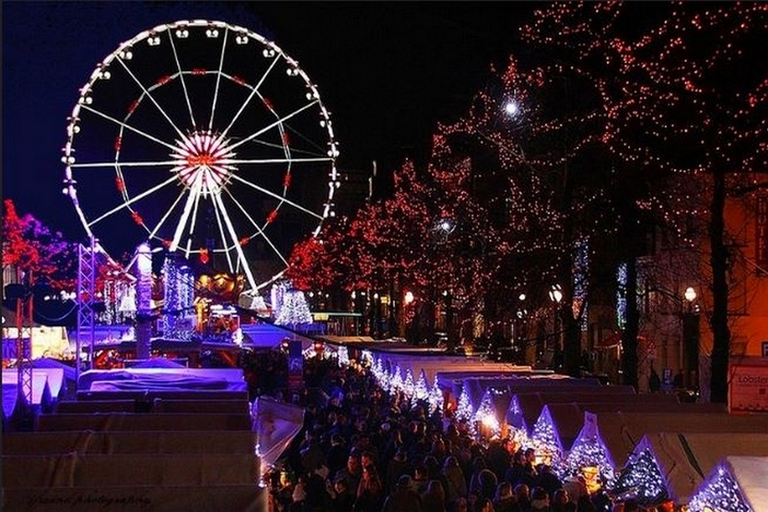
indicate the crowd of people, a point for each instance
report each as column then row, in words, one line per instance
column 366, row 450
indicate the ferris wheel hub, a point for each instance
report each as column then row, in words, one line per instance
column 203, row 162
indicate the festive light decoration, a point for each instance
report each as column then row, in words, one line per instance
column 343, row 356
column 720, row 492
column 420, row 391
column 396, row 379
column 408, row 386
column 486, row 415
column 580, row 274
column 590, row 452
column 545, row 439
column 385, row 381
column 516, row 423
column 276, row 295
column 642, row 479
column 31, row 246
column 621, row 295
column 179, row 297
column 464, row 409
column 436, row 398
column 376, row 369
column 623, row 118
column 294, row 309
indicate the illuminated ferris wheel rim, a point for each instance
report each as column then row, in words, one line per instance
column 205, row 162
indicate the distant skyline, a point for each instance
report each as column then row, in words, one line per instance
column 388, row 72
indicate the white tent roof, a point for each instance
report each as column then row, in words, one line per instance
column 685, row 459
column 622, row 431
column 751, row 473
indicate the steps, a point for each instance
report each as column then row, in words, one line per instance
column 128, row 451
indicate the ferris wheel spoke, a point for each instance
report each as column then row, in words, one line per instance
column 194, row 191
column 276, row 160
column 276, row 196
column 255, row 225
column 192, row 223
column 129, row 127
column 270, row 126
column 167, row 214
column 250, row 96
column 238, row 248
column 124, row 164
column 151, row 98
column 133, row 200
column 223, row 237
column 218, row 79
column 181, row 77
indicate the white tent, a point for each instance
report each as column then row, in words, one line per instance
column 736, row 484
column 672, row 465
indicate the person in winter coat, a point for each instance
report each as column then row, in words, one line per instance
column 403, row 498
column 455, row 481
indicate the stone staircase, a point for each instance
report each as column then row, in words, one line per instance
column 136, row 451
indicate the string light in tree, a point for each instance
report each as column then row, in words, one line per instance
column 420, row 391
column 464, row 409
column 436, row 398
column 396, row 379
column 408, row 386
column 294, row 309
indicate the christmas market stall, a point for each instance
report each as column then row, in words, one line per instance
column 736, row 484
column 670, row 466
column 620, row 431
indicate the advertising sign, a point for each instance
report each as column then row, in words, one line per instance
column 295, row 365
column 748, row 385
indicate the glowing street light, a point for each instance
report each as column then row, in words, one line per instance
column 556, row 293
column 409, row 297
column 511, row 108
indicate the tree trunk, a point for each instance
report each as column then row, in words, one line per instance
column 571, row 341
column 629, row 359
column 719, row 319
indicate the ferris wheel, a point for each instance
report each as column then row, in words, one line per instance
column 205, row 139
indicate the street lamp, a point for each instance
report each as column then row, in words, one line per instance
column 690, row 295
column 556, row 295
column 691, row 337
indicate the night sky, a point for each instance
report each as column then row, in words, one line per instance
column 388, row 72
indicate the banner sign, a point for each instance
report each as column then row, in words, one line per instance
column 748, row 385
column 295, row 366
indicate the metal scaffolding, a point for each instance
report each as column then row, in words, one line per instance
column 86, row 285
column 24, row 324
